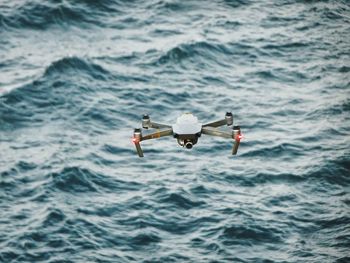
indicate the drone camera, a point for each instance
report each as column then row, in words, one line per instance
column 229, row 118
column 188, row 144
column 187, row 141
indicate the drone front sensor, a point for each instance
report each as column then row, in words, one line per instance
column 187, row 130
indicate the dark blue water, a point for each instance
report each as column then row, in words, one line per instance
column 75, row 79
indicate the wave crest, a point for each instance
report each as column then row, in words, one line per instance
column 43, row 15
column 187, row 51
column 68, row 65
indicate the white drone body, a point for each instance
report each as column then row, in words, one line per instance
column 187, row 130
column 187, row 124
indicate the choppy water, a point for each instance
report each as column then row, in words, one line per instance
column 75, row 78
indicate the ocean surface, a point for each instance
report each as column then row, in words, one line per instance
column 76, row 77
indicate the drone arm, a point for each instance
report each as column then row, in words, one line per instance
column 235, row 134
column 157, row 134
column 216, row 123
column 227, row 121
column 138, row 137
column 156, row 125
column 215, row 132
column 147, row 123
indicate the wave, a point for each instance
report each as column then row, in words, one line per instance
column 287, row 150
column 237, row 3
column 103, row 211
column 176, row 7
column 250, row 234
column 331, row 173
column 43, row 15
column 342, row 108
column 76, row 179
column 262, row 178
column 144, row 239
column 66, row 235
column 204, row 54
column 171, row 221
column 64, row 87
column 283, row 49
column 74, row 65
column 180, row 201
column 53, row 217
column 201, row 49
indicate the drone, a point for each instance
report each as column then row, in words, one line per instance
column 187, row 130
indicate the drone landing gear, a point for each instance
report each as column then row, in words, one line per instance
column 211, row 129
column 146, row 123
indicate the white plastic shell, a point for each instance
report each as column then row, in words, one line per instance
column 187, row 124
